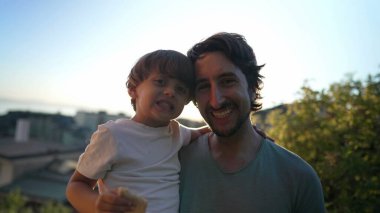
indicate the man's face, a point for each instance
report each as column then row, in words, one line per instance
column 221, row 93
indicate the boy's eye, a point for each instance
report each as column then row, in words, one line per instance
column 159, row 82
column 182, row 90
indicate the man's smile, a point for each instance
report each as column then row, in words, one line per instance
column 222, row 113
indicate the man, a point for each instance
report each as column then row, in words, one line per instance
column 234, row 168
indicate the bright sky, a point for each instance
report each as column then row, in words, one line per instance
column 79, row 52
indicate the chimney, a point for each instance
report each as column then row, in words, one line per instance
column 22, row 130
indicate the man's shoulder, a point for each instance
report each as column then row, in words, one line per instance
column 200, row 143
column 287, row 158
column 200, row 140
column 280, row 150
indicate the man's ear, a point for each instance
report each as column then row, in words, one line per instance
column 132, row 92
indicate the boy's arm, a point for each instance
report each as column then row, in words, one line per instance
column 80, row 193
column 82, row 196
column 196, row 132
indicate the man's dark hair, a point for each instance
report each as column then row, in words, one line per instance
column 236, row 49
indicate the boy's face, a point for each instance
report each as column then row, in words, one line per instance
column 159, row 99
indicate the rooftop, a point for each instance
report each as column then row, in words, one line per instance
column 12, row 150
column 45, row 184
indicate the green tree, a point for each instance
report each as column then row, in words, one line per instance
column 15, row 202
column 50, row 207
column 338, row 132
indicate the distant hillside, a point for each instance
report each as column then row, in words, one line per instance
column 258, row 118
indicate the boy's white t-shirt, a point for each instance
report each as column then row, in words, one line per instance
column 142, row 158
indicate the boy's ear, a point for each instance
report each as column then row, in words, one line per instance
column 132, row 92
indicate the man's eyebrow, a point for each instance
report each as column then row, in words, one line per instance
column 201, row 80
column 228, row 74
column 224, row 75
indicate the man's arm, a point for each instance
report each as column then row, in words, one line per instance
column 310, row 193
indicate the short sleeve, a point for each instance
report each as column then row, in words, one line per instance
column 184, row 134
column 99, row 154
column 310, row 192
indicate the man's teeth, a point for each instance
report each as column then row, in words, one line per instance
column 222, row 113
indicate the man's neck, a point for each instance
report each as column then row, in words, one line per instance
column 236, row 151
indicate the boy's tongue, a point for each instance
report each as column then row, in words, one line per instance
column 164, row 105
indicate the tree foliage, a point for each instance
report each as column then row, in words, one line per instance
column 337, row 131
column 15, row 202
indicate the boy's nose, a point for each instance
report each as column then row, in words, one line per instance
column 169, row 91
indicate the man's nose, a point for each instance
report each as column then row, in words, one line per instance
column 216, row 97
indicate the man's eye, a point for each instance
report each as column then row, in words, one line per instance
column 228, row 81
column 201, row 86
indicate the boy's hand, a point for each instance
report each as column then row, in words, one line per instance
column 196, row 132
column 204, row 129
column 110, row 201
column 139, row 202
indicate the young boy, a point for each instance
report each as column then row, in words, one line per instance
column 140, row 153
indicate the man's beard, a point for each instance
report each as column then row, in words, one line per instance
column 241, row 120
